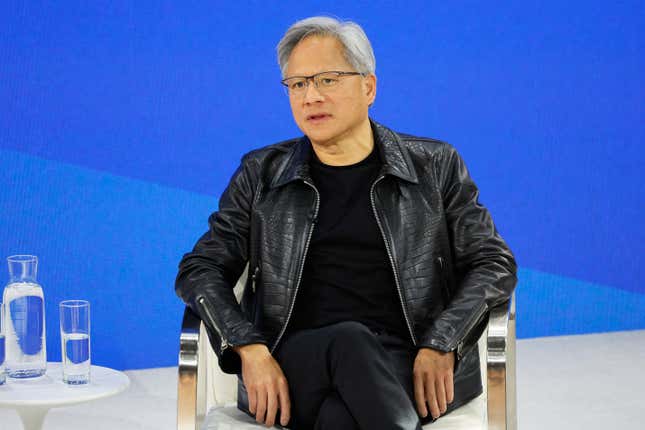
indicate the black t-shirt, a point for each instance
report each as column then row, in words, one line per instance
column 347, row 275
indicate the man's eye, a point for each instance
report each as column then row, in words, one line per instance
column 297, row 85
column 328, row 81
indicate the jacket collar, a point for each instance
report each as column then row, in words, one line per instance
column 395, row 157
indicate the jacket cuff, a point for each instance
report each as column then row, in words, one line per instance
column 462, row 340
column 223, row 338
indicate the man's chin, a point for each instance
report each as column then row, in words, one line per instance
column 318, row 137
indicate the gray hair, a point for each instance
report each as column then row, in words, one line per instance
column 357, row 47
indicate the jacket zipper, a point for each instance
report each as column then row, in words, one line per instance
column 446, row 292
column 201, row 301
column 473, row 322
column 302, row 266
column 389, row 254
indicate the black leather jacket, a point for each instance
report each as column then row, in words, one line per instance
column 450, row 264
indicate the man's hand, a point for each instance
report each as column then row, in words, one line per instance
column 265, row 384
column 433, row 383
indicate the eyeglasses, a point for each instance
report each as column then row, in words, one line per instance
column 323, row 81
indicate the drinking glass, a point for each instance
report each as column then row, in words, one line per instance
column 75, row 341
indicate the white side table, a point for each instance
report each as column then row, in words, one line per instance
column 33, row 398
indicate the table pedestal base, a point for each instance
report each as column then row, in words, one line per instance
column 32, row 418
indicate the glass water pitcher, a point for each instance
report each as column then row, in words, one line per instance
column 26, row 355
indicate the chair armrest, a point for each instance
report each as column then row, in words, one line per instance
column 500, row 367
column 191, row 404
column 196, row 357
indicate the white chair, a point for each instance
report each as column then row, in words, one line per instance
column 206, row 398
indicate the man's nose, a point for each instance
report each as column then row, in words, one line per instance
column 312, row 94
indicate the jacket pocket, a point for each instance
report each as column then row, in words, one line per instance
column 443, row 280
column 256, row 296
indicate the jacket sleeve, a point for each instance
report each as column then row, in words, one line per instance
column 208, row 274
column 485, row 271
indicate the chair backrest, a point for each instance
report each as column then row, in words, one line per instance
column 221, row 388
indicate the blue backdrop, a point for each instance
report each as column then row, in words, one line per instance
column 121, row 123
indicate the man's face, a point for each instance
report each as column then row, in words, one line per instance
column 328, row 115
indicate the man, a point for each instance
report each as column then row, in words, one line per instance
column 371, row 263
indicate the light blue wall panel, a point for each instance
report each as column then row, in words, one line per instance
column 111, row 240
column 552, row 305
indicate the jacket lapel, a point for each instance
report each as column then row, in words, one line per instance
column 396, row 160
column 296, row 165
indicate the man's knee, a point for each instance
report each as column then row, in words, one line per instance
column 352, row 334
column 334, row 415
column 354, row 343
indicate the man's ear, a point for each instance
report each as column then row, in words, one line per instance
column 370, row 88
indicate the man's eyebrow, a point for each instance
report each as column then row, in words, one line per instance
column 311, row 76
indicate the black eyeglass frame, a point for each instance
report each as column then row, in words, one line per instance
column 312, row 77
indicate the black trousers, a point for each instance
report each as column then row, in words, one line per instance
column 345, row 377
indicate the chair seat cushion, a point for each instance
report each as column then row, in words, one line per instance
column 471, row 416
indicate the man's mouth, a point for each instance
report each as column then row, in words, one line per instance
column 318, row 117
